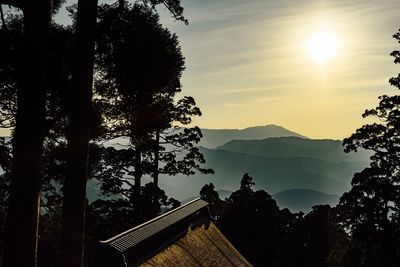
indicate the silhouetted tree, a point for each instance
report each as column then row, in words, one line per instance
column 139, row 66
column 316, row 236
column 57, row 104
column 54, row 125
column 23, row 212
column 138, row 62
column 257, row 228
column 175, row 147
column 58, row 101
column 371, row 209
column 269, row 236
column 74, row 191
column 245, row 195
column 209, row 194
column 217, row 206
column 5, row 168
column 247, row 182
column 78, row 134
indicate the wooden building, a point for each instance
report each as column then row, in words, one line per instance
column 185, row 236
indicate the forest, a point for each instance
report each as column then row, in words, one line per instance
column 114, row 77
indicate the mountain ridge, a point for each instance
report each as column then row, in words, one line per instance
column 289, row 146
column 271, row 174
column 216, row 137
column 296, row 200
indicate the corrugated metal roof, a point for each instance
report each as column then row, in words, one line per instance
column 136, row 235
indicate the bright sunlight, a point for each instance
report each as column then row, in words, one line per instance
column 323, row 46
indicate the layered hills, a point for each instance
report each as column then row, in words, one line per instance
column 284, row 147
column 298, row 171
column 273, row 174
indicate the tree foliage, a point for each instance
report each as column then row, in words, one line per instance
column 270, row 236
column 371, row 209
column 139, row 66
column 58, row 104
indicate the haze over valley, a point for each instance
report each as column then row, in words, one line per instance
column 298, row 171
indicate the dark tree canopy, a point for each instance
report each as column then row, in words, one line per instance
column 38, row 88
column 139, row 66
column 371, row 209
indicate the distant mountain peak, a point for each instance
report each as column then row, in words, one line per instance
column 217, row 137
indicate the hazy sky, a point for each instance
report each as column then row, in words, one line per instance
column 247, row 62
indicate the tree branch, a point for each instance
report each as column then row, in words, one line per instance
column 128, row 183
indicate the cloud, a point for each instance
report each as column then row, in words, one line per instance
column 250, row 56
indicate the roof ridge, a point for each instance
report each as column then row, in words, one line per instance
column 148, row 222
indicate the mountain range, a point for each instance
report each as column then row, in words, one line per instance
column 299, row 171
column 285, row 147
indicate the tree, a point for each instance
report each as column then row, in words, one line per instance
column 175, row 150
column 73, row 215
column 140, row 64
column 318, row 237
column 253, row 218
column 74, row 191
column 209, row 194
column 32, row 115
column 23, row 212
column 245, row 195
column 53, row 166
column 217, row 206
column 5, row 165
column 371, row 209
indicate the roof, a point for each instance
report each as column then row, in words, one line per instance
column 169, row 237
column 134, row 236
column 201, row 246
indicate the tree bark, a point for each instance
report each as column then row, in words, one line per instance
column 74, row 198
column 137, row 186
column 23, row 212
column 156, row 158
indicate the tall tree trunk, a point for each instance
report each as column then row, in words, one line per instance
column 137, row 186
column 23, row 211
column 74, row 199
column 156, row 158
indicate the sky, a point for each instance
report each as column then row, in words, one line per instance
column 248, row 62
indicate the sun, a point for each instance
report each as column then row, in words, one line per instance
column 323, row 46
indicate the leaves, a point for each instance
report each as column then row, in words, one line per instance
column 371, row 209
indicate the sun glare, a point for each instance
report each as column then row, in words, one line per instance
column 323, row 46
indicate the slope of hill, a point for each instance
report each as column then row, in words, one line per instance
column 217, row 137
column 271, row 174
column 303, row 199
column 329, row 150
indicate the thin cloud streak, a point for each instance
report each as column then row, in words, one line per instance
column 249, row 53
